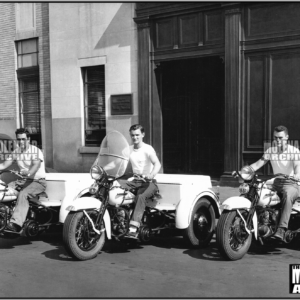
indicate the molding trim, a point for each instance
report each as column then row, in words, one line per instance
column 91, row 61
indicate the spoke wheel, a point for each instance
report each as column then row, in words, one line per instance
column 3, row 216
column 79, row 237
column 232, row 239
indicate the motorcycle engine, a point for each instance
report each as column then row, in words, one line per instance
column 120, row 221
column 267, row 221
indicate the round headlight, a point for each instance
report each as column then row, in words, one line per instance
column 247, row 173
column 96, row 172
column 244, row 188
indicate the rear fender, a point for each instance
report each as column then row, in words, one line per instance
column 88, row 203
column 186, row 206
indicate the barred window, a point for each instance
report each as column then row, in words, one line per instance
column 94, row 104
column 30, row 113
column 29, row 91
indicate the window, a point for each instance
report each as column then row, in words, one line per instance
column 27, row 53
column 30, row 113
column 29, row 91
column 94, row 105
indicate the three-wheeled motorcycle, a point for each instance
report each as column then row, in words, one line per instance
column 103, row 210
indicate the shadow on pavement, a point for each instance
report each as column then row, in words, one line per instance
column 55, row 239
column 211, row 252
column 60, row 253
column 122, row 246
column 8, row 243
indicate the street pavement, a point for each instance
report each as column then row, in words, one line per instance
column 166, row 267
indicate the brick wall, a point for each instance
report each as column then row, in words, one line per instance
column 8, row 81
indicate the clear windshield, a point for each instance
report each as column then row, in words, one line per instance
column 114, row 154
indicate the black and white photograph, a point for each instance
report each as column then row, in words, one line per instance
column 149, row 150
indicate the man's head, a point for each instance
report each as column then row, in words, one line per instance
column 281, row 135
column 137, row 134
column 23, row 137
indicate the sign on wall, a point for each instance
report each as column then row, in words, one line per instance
column 121, row 104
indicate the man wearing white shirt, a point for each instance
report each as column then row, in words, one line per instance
column 284, row 159
column 144, row 161
column 30, row 161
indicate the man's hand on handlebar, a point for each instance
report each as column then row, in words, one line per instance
column 297, row 177
column 143, row 177
column 24, row 173
column 234, row 174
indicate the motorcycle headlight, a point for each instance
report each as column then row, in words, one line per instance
column 247, row 173
column 244, row 188
column 96, row 172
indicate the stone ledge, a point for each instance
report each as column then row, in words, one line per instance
column 89, row 150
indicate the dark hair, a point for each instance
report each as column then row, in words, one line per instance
column 281, row 128
column 136, row 127
column 21, row 131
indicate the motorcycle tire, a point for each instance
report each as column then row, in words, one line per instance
column 202, row 224
column 229, row 246
column 76, row 245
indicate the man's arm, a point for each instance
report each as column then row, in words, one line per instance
column 297, row 169
column 156, row 166
column 31, row 172
column 257, row 165
column 5, row 164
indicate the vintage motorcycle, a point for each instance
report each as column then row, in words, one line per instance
column 104, row 209
column 41, row 214
column 256, row 211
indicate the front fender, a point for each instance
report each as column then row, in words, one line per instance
column 86, row 203
column 236, row 202
column 186, row 206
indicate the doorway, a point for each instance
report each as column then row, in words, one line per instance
column 192, row 93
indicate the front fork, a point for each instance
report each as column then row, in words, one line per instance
column 104, row 195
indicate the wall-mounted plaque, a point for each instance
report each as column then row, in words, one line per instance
column 121, row 104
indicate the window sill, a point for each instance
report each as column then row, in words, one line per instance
column 86, row 150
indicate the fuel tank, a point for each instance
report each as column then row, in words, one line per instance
column 118, row 196
column 268, row 197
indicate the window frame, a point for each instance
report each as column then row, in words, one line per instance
column 102, row 121
column 20, row 56
column 35, row 136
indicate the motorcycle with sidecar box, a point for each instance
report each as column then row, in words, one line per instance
column 103, row 210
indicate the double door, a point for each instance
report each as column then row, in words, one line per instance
column 192, row 93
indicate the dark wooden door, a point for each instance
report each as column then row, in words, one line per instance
column 193, row 116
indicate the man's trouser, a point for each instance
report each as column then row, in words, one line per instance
column 144, row 190
column 289, row 191
column 30, row 189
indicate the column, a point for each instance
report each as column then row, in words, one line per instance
column 232, row 94
column 144, row 102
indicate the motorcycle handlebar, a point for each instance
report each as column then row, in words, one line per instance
column 141, row 177
column 286, row 177
column 13, row 172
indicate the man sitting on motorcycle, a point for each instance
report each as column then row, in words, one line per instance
column 30, row 161
column 284, row 159
column 144, row 161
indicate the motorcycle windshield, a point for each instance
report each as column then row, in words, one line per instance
column 114, row 154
